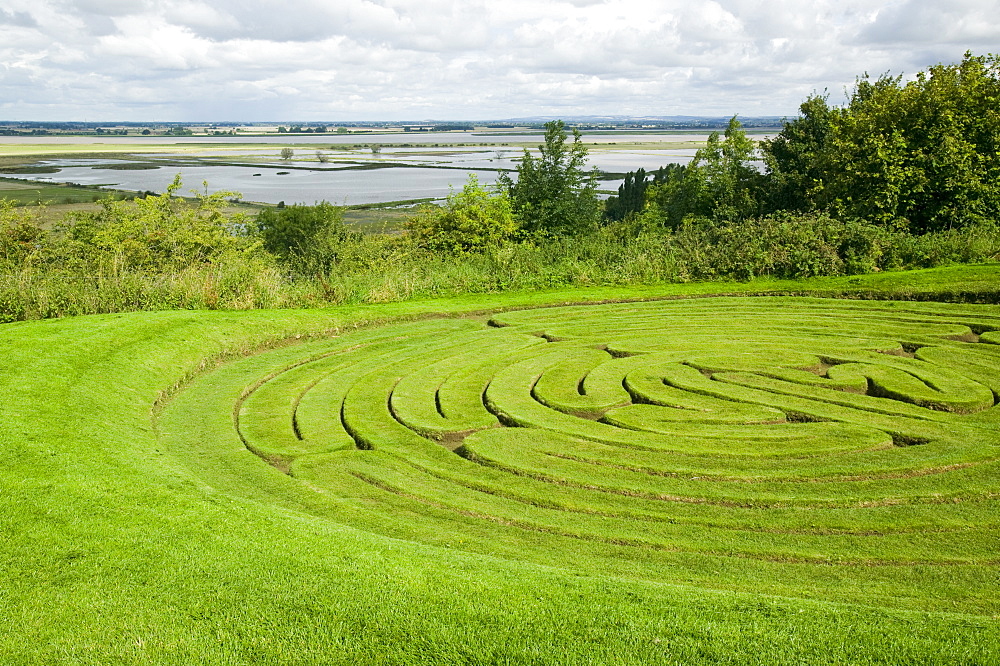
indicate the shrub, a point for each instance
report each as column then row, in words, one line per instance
column 306, row 238
column 470, row 221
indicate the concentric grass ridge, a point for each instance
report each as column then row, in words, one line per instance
column 666, row 436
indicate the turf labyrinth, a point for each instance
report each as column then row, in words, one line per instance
column 791, row 446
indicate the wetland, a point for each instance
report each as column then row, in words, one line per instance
column 339, row 169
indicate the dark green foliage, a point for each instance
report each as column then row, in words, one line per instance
column 782, row 245
column 796, row 161
column 306, row 237
column 631, row 197
column 721, row 183
column 922, row 154
column 554, row 194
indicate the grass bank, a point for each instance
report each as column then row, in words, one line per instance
column 128, row 540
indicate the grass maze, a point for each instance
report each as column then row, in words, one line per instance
column 803, row 447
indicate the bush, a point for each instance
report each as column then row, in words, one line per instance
column 21, row 237
column 787, row 245
column 470, row 221
column 159, row 233
column 306, row 238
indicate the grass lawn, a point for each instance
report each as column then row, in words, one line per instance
column 26, row 193
column 374, row 219
column 347, row 485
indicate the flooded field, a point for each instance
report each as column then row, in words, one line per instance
column 342, row 169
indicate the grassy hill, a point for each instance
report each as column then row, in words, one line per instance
column 290, row 486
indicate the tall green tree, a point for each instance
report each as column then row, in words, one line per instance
column 631, row 197
column 796, row 159
column 731, row 183
column 923, row 154
column 554, row 193
column 721, row 184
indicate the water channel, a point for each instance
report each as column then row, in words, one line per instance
column 341, row 169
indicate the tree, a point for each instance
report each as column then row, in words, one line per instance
column 631, row 197
column 470, row 221
column 795, row 159
column 731, row 182
column 308, row 238
column 554, row 194
column 286, row 153
column 923, row 155
column 721, row 183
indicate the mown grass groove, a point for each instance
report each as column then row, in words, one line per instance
column 408, row 527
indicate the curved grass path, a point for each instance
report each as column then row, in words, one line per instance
column 734, row 480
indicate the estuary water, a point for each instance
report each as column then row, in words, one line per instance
column 272, row 184
column 341, row 169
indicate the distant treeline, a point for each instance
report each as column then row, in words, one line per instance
column 44, row 128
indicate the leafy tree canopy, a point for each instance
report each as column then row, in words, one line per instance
column 631, row 198
column 721, row 184
column 554, row 193
column 924, row 154
column 471, row 220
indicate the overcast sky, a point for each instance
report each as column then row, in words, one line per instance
column 315, row 60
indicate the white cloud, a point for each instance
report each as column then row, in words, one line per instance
column 21, row 19
column 928, row 22
column 144, row 42
column 315, row 59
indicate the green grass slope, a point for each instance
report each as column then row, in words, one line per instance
column 305, row 487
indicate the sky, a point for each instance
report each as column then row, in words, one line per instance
column 316, row 60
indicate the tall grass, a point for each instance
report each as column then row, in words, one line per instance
column 151, row 256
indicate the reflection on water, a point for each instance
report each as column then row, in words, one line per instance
column 271, row 184
column 259, row 174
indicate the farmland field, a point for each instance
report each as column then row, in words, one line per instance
column 563, row 477
column 27, row 193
